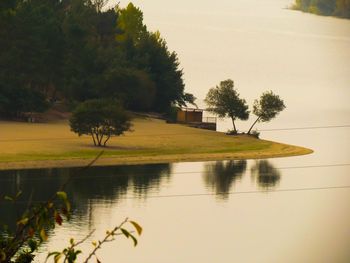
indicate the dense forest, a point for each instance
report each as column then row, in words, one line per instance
column 75, row 50
column 340, row 8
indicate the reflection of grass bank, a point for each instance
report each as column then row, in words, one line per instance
column 153, row 141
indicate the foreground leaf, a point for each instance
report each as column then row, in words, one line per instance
column 125, row 232
column 43, row 234
column 137, row 227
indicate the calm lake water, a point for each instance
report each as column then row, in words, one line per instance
column 294, row 209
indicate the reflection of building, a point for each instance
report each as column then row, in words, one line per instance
column 194, row 118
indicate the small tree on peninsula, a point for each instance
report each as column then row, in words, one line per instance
column 101, row 119
column 267, row 107
column 224, row 101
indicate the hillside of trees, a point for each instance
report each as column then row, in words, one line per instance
column 339, row 8
column 75, row 50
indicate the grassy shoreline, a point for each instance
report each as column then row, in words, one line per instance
column 48, row 145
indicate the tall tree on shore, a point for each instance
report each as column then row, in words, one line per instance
column 163, row 66
column 267, row 107
column 224, row 101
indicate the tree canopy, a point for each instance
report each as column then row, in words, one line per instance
column 267, row 107
column 101, row 119
column 130, row 24
column 339, row 8
column 224, row 101
column 75, row 50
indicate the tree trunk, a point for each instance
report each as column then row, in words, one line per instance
column 253, row 125
column 98, row 139
column 93, row 137
column 104, row 144
column 234, row 126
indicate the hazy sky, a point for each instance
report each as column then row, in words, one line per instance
column 261, row 45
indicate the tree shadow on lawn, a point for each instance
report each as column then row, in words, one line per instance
column 112, row 147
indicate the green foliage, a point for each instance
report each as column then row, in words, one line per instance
column 224, row 101
column 187, row 98
column 132, row 86
column 302, row 5
column 130, row 24
column 231, row 132
column 75, row 51
column 33, row 225
column 342, row 8
column 171, row 115
column 339, row 8
column 31, row 228
column 255, row 134
column 267, row 107
column 70, row 253
column 100, row 119
column 152, row 56
column 18, row 99
column 24, row 258
column 99, row 4
column 31, row 49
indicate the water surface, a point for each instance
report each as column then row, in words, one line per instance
column 292, row 209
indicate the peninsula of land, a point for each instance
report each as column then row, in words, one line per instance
column 48, row 145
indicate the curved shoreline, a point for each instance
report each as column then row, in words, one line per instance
column 288, row 151
column 34, row 146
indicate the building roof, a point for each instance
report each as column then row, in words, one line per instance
column 191, row 109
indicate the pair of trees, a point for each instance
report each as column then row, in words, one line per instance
column 224, row 101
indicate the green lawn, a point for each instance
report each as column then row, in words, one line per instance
column 53, row 144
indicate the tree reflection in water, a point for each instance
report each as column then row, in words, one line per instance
column 220, row 176
column 102, row 184
column 113, row 182
column 265, row 174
